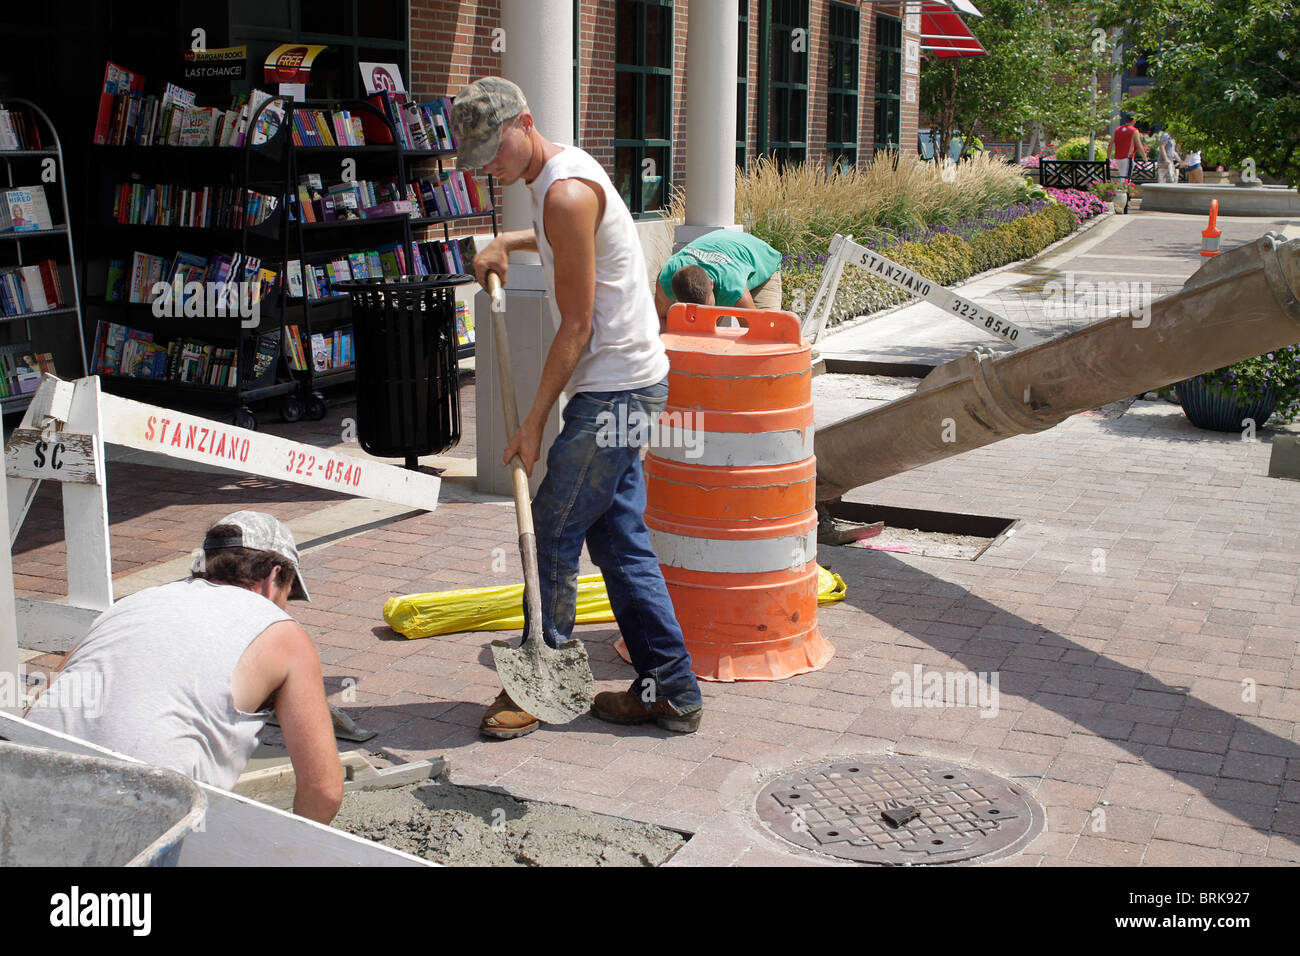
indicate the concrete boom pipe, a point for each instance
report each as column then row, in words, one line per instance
column 1241, row 304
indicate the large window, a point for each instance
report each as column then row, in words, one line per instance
column 742, row 83
column 643, row 77
column 355, row 31
column 787, row 42
column 842, row 87
column 889, row 80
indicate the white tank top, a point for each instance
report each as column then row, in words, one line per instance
column 624, row 351
column 152, row 679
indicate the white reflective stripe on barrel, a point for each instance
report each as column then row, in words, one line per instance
column 734, row 556
column 733, row 449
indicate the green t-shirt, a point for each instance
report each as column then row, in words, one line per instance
column 735, row 261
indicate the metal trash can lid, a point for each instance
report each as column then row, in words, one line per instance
column 402, row 283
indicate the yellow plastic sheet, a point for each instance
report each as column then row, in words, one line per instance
column 502, row 608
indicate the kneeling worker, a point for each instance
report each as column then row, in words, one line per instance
column 723, row 267
column 190, row 671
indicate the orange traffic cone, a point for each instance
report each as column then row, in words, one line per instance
column 1210, row 236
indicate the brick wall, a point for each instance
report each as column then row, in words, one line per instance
column 681, row 17
column 451, row 44
column 866, row 84
column 596, row 80
column 751, row 82
column 819, row 51
column 911, row 92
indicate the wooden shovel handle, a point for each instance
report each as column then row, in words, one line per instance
column 519, row 478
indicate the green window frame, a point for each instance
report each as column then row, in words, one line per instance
column 889, row 81
column 356, row 31
column 643, row 97
column 842, row 86
column 785, row 125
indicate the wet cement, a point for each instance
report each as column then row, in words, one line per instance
column 553, row 684
column 468, row 826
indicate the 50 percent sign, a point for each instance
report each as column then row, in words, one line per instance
column 890, row 271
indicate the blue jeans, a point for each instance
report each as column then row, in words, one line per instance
column 594, row 491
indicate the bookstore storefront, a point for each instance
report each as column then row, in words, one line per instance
column 148, row 97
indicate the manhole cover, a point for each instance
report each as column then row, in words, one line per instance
column 899, row 810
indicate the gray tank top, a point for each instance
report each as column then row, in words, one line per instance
column 152, row 679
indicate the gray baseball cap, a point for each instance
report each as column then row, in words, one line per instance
column 480, row 112
column 258, row 531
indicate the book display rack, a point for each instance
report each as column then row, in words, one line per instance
column 218, row 232
column 40, row 304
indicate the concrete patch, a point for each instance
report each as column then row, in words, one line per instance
column 467, row 826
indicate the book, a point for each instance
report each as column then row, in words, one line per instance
column 118, row 82
column 26, row 210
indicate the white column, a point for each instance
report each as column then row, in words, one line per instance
column 8, row 619
column 538, row 56
column 710, row 118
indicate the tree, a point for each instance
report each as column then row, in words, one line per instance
column 1226, row 70
column 1043, row 59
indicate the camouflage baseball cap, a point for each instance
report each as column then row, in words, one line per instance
column 480, row 112
column 258, row 531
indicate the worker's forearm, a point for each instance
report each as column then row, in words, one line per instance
column 319, row 804
column 561, row 360
column 520, row 240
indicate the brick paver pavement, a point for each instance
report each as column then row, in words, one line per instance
column 1141, row 622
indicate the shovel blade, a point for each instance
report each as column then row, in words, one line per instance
column 554, row 685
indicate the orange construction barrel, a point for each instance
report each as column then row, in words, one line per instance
column 730, row 494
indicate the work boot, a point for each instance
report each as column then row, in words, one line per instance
column 626, row 707
column 505, row 719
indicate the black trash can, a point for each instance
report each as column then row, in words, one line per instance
column 408, row 387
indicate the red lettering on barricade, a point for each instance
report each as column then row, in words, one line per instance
column 243, row 455
column 193, row 434
column 148, row 429
column 221, row 446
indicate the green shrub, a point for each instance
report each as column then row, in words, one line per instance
column 1077, row 148
column 798, row 208
column 946, row 259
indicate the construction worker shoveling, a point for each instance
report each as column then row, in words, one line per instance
column 191, row 671
column 608, row 358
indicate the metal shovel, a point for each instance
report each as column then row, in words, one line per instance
column 554, row 685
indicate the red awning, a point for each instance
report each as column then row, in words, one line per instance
column 944, row 33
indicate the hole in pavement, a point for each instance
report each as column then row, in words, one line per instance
column 936, row 534
column 471, row 826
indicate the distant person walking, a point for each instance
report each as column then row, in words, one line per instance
column 1168, row 159
column 1195, row 172
column 1123, row 142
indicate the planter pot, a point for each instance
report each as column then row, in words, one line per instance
column 1207, row 409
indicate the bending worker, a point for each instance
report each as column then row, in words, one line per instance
column 190, row 671
column 608, row 358
column 723, row 267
